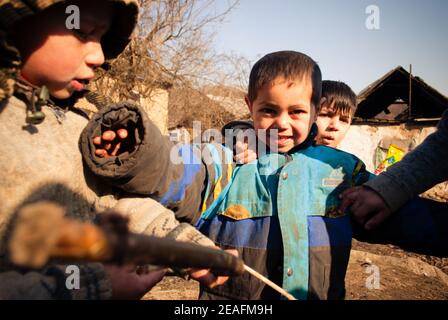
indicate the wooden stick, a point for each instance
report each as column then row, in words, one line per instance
column 269, row 282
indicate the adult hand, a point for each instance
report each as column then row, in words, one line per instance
column 127, row 284
column 367, row 207
column 109, row 143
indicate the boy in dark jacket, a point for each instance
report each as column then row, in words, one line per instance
column 44, row 66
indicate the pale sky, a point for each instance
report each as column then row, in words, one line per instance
column 334, row 33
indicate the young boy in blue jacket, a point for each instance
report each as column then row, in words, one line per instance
column 281, row 211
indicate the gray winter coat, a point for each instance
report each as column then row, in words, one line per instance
column 43, row 162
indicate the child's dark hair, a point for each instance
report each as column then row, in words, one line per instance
column 290, row 65
column 340, row 97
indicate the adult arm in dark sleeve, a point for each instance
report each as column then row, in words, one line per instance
column 420, row 225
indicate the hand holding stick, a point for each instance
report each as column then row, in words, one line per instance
column 42, row 232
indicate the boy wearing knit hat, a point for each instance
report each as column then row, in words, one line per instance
column 45, row 64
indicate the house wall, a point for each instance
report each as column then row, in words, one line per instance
column 156, row 106
column 363, row 140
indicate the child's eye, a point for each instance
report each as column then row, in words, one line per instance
column 85, row 33
column 267, row 111
column 297, row 111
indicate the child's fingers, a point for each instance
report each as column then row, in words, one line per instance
column 116, row 149
column 219, row 281
column 240, row 147
column 199, row 273
column 205, row 277
column 101, row 153
column 122, row 133
column 97, row 140
column 245, row 157
column 239, row 158
column 107, row 146
column 109, row 135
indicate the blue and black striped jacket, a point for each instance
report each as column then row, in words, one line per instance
column 281, row 213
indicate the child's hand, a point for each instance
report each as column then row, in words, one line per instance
column 109, row 143
column 128, row 285
column 244, row 153
column 367, row 207
column 207, row 278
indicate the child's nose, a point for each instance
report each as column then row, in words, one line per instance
column 95, row 55
column 282, row 121
column 334, row 123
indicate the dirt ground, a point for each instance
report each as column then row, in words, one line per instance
column 403, row 275
column 375, row 272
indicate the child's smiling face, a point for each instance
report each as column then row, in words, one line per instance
column 283, row 108
column 64, row 59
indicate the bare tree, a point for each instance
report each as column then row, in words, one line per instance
column 171, row 47
column 233, row 70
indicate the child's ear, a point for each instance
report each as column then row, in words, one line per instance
column 248, row 103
